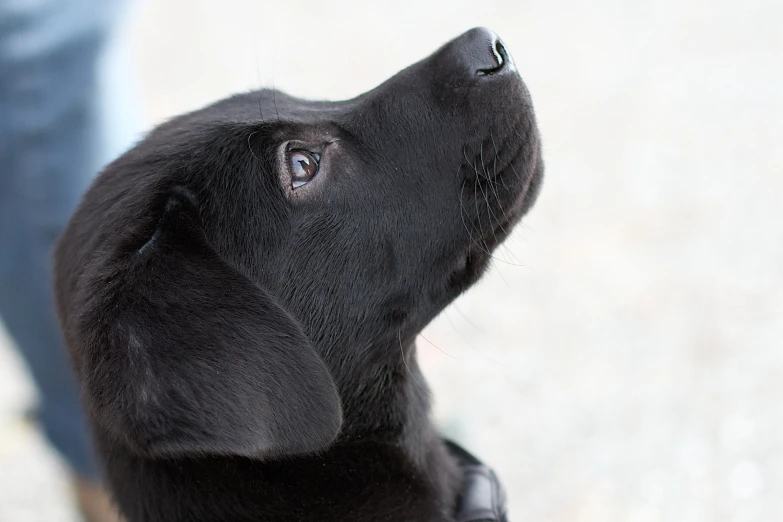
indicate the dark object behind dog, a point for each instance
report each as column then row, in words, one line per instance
column 241, row 292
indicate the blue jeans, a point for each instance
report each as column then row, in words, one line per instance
column 60, row 121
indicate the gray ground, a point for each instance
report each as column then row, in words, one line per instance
column 622, row 361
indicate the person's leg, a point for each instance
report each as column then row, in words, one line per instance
column 53, row 139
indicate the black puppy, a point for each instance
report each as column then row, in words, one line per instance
column 241, row 292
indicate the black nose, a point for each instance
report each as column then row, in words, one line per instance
column 483, row 52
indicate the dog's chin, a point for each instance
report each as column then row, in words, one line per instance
column 470, row 267
column 520, row 179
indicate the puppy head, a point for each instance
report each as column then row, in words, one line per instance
column 221, row 281
column 416, row 183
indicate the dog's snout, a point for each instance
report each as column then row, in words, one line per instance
column 483, row 52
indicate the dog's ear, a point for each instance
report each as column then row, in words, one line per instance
column 181, row 354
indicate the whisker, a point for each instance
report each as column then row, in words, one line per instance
column 260, row 97
column 468, row 230
column 473, row 240
column 405, row 363
column 475, row 204
column 496, row 177
column 512, row 255
column 495, row 164
column 467, row 320
column 494, row 190
column 438, row 347
column 250, row 148
column 274, row 100
column 470, row 346
column 462, row 215
column 491, row 215
column 446, row 313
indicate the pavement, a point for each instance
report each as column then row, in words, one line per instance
column 622, row 359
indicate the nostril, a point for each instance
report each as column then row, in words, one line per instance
column 499, row 57
column 499, row 51
column 479, row 52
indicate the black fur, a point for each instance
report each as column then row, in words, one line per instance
column 247, row 350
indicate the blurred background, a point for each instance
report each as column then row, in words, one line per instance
column 623, row 358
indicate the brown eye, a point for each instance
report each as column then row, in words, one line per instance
column 304, row 167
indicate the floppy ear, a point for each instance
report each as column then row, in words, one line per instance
column 179, row 353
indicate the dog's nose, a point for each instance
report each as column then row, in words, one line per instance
column 483, row 52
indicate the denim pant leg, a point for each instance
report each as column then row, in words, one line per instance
column 52, row 142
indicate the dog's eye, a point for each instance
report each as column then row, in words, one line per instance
column 304, row 167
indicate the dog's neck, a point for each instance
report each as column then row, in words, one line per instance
column 385, row 397
column 389, row 401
